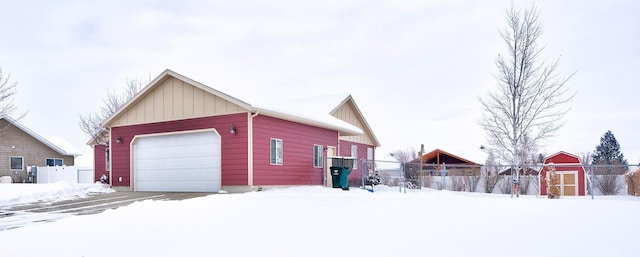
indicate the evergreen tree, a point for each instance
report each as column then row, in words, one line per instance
column 608, row 151
column 607, row 178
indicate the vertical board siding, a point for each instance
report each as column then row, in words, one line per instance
column 347, row 113
column 174, row 99
column 298, row 140
column 234, row 147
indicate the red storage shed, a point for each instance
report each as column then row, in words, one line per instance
column 569, row 178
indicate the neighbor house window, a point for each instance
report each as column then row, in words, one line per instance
column 276, row 151
column 17, row 163
column 54, row 162
column 317, row 156
column 354, row 154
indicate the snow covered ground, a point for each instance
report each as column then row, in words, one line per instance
column 317, row 221
column 11, row 194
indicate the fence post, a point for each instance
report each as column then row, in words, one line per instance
column 590, row 182
column 513, row 179
column 421, row 160
column 443, row 179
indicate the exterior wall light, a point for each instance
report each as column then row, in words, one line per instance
column 233, row 130
column 119, row 140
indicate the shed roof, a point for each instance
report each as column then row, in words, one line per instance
column 62, row 147
column 572, row 156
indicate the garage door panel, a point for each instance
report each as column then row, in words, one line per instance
column 188, row 162
column 178, row 163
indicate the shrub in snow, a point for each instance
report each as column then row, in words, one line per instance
column 426, row 181
column 457, row 183
column 528, row 183
column 471, row 182
column 553, row 183
column 490, row 178
column 608, row 184
column 373, row 179
column 633, row 182
column 505, row 187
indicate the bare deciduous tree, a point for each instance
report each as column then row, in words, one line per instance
column 585, row 158
column 91, row 122
column 530, row 100
column 8, row 90
column 471, row 182
column 406, row 155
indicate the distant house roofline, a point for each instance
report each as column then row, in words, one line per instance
column 36, row 136
column 435, row 153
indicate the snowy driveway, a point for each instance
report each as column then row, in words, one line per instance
column 20, row 215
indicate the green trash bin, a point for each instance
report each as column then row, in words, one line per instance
column 335, row 176
column 344, row 178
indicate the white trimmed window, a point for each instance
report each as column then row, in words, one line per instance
column 276, row 151
column 54, row 162
column 17, row 163
column 317, row 156
column 354, row 154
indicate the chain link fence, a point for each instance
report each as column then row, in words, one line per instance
column 499, row 179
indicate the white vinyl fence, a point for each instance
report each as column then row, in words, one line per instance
column 70, row 174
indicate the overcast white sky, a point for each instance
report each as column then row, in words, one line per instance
column 415, row 68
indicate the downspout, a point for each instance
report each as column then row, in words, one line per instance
column 250, row 147
column 110, row 171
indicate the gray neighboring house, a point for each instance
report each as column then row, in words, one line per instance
column 21, row 148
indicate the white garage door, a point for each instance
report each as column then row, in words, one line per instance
column 188, row 162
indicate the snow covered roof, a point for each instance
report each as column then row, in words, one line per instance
column 310, row 111
column 61, row 146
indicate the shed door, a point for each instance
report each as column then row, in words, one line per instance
column 569, row 184
column 186, row 162
column 564, row 183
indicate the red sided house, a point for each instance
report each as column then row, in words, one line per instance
column 180, row 135
column 569, row 179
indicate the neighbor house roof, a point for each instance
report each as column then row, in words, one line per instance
column 305, row 115
column 438, row 156
column 62, row 147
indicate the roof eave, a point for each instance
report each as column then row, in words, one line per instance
column 37, row 137
column 344, row 130
column 364, row 121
